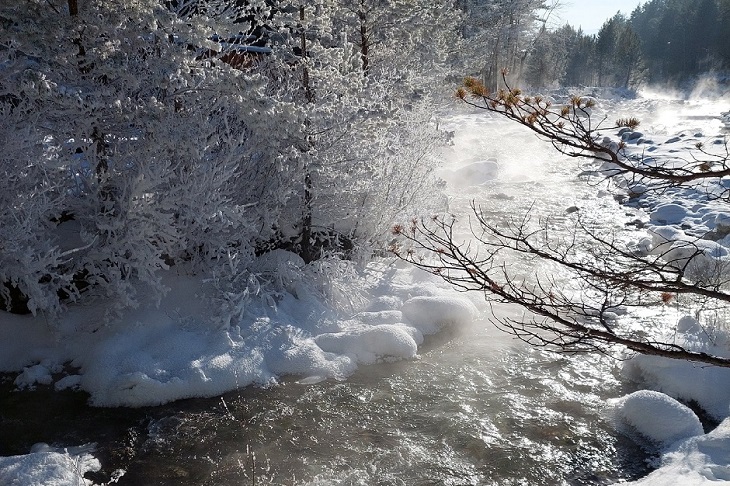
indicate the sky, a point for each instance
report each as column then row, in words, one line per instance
column 591, row 14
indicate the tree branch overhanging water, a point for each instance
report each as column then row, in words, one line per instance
column 577, row 313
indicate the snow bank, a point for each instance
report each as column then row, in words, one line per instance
column 154, row 355
column 656, row 416
column 49, row 467
column 697, row 461
column 690, row 221
column 707, row 386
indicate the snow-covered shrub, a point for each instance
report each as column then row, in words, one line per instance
column 127, row 151
column 122, row 151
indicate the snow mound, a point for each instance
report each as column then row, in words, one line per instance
column 431, row 313
column 34, row 374
column 478, row 172
column 657, row 417
column 372, row 344
column 697, row 461
column 48, row 467
column 473, row 174
column 669, row 214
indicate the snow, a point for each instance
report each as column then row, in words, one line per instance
column 368, row 344
column 154, row 355
column 657, row 417
column 49, row 467
column 669, row 214
column 432, row 312
column 678, row 223
column 699, row 460
column 473, row 174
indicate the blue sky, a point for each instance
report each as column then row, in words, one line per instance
column 591, row 14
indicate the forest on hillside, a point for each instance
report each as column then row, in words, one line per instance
column 667, row 42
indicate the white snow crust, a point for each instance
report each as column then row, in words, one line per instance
column 49, row 467
column 697, row 461
column 657, row 417
column 153, row 355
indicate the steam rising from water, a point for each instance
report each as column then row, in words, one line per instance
column 662, row 109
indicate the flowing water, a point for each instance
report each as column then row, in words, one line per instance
column 476, row 408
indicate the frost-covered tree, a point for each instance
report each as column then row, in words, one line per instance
column 123, row 152
column 408, row 37
column 547, row 62
column 364, row 155
column 134, row 143
column 500, row 34
column 628, row 59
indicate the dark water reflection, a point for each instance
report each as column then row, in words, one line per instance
column 473, row 410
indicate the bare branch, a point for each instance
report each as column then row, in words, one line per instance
column 574, row 309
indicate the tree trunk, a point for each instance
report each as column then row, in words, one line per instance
column 364, row 39
column 307, row 252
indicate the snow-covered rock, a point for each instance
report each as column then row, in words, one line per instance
column 722, row 224
column 430, row 313
column 657, row 417
column 46, row 466
column 702, row 460
column 368, row 345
